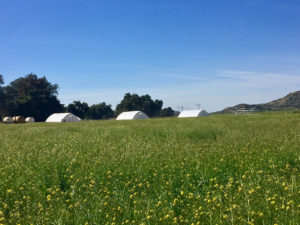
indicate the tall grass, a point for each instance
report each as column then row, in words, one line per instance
column 221, row 169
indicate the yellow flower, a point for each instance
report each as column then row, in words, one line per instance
column 48, row 198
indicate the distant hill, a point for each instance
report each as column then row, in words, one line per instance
column 291, row 101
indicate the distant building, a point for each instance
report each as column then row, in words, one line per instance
column 193, row 113
column 63, row 117
column 244, row 111
column 132, row 115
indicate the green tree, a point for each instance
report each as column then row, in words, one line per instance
column 2, row 98
column 80, row 109
column 143, row 103
column 1, row 79
column 166, row 112
column 32, row 96
column 101, row 111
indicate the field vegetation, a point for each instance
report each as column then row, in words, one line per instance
column 222, row 169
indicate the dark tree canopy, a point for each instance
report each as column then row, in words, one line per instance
column 80, row 109
column 1, row 79
column 167, row 112
column 143, row 103
column 95, row 112
column 2, row 98
column 32, row 96
column 101, row 111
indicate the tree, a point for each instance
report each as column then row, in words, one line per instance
column 157, row 107
column 1, row 79
column 101, row 111
column 2, row 98
column 166, row 112
column 32, row 96
column 79, row 109
column 143, row 103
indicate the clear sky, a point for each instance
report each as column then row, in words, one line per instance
column 185, row 52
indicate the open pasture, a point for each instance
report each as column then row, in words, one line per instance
column 222, row 169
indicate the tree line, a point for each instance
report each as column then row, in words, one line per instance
column 36, row 96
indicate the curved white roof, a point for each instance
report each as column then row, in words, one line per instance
column 193, row 113
column 63, row 117
column 132, row 115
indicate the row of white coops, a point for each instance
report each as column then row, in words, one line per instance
column 69, row 117
column 131, row 115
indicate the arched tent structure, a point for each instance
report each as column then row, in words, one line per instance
column 193, row 113
column 63, row 117
column 132, row 115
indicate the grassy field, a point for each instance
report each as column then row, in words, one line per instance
column 222, row 169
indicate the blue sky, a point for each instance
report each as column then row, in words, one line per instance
column 185, row 52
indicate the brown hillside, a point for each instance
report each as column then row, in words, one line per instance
column 291, row 101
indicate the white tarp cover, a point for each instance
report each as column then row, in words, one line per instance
column 193, row 113
column 62, row 117
column 132, row 115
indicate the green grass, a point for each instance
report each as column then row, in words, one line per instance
column 222, row 169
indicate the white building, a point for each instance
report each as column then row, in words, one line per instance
column 63, row 117
column 193, row 113
column 132, row 115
